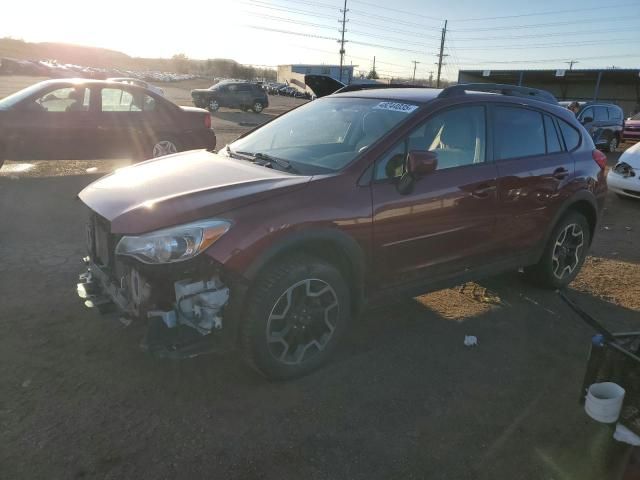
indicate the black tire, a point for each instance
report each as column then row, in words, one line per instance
column 315, row 314
column 559, row 258
column 213, row 105
column 612, row 146
column 1, row 155
column 257, row 107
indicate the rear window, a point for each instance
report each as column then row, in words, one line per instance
column 615, row 113
column 571, row 135
column 518, row 132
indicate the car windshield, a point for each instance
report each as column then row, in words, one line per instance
column 326, row 135
column 7, row 103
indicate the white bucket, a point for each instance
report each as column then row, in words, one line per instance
column 604, row 401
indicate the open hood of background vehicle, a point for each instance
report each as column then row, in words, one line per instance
column 322, row 85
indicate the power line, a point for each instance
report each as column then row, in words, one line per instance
column 259, row 4
column 548, row 24
column 553, row 34
column 581, row 9
column 413, row 14
column 543, row 45
column 546, row 60
column 389, row 20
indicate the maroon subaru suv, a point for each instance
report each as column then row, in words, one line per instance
column 275, row 243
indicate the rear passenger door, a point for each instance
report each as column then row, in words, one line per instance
column 533, row 170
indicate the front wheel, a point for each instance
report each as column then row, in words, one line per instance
column 257, row 107
column 564, row 253
column 213, row 106
column 612, row 146
column 298, row 311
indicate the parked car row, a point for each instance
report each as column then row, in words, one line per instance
column 276, row 243
column 285, row 90
column 54, row 69
column 85, row 119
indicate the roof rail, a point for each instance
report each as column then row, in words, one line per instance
column 502, row 89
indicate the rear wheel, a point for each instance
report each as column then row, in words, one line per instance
column 164, row 146
column 298, row 311
column 257, row 107
column 612, row 146
column 564, row 253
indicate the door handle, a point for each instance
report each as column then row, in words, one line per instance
column 483, row 191
column 560, row 173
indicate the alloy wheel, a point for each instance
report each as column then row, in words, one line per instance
column 302, row 321
column 567, row 250
column 214, row 105
column 257, row 107
column 613, row 144
column 164, row 147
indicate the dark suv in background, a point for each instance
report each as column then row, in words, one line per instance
column 603, row 121
column 277, row 242
column 243, row 95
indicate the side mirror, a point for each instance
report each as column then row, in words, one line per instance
column 421, row 163
column 587, row 120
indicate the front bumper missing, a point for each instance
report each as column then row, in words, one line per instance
column 190, row 329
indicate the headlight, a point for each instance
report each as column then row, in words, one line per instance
column 624, row 169
column 173, row 244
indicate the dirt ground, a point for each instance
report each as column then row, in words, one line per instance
column 404, row 399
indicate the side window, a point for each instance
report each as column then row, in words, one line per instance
column 615, row 113
column 118, row 100
column 69, row 99
column 244, row 88
column 600, row 114
column 570, row 135
column 232, row 88
column 553, row 142
column 457, row 136
column 518, row 132
column 148, row 104
column 586, row 113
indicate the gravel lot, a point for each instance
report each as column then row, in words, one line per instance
column 403, row 399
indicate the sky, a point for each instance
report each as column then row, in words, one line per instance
column 481, row 34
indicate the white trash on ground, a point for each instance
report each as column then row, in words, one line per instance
column 623, row 434
column 470, row 341
column 604, row 401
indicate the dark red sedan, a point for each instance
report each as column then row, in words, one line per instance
column 86, row 119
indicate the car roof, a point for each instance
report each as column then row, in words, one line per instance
column 417, row 95
column 88, row 81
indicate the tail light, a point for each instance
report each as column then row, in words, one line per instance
column 207, row 121
column 600, row 158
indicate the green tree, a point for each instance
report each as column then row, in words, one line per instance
column 373, row 75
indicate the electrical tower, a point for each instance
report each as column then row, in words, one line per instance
column 344, row 23
column 441, row 55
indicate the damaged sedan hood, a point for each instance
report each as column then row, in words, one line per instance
column 631, row 156
column 181, row 188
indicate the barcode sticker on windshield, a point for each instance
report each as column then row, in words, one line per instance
column 396, row 107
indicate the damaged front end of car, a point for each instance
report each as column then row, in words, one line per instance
column 158, row 278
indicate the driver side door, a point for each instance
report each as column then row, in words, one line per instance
column 445, row 224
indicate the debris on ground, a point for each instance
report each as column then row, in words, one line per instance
column 470, row 341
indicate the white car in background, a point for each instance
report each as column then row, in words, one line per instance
column 139, row 83
column 624, row 178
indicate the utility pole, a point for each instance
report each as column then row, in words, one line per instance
column 415, row 64
column 441, row 55
column 344, row 23
column 431, row 78
column 572, row 63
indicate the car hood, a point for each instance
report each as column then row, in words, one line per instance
column 631, row 156
column 181, row 188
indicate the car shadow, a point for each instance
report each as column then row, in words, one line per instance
column 244, row 118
